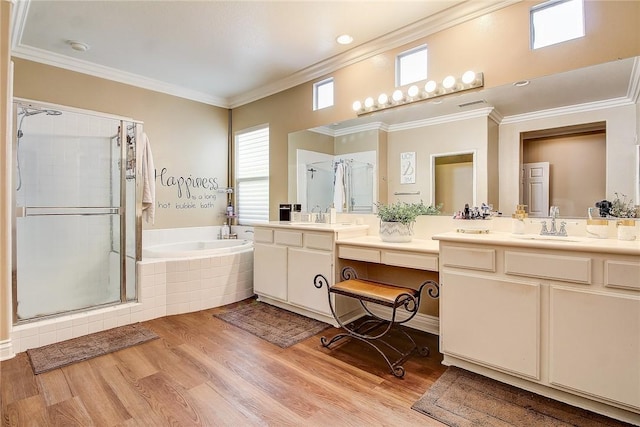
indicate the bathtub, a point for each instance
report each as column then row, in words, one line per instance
column 196, row 248
column 189, row 269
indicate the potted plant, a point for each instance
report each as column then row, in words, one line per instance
column 397, row 219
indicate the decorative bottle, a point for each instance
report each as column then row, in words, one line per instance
column 518, row 216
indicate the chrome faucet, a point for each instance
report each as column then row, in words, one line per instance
column 554, row 212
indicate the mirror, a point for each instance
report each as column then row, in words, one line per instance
column 453, row 181
column 596, row 94
column 335, row 170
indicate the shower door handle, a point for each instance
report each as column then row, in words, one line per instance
column 23, row 211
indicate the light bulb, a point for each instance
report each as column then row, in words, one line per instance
column 397, row 95
column 449, row 82
column 368, row 103
column 383, row 99
column 357, row 106
column 413, row 91
column 468, row 77
column 430, row 87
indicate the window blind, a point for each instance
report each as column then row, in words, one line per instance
column 252, row 176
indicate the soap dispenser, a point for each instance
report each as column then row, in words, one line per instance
column 518, row 216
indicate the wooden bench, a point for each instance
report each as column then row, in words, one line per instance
column 373, row 331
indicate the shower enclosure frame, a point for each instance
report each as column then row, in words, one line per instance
column 121, row 209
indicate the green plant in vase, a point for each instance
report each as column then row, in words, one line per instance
column 397, row 219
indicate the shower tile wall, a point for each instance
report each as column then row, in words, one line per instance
column 59, row 167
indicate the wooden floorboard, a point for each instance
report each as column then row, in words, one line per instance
column 205, row 372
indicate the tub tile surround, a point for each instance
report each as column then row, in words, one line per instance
column 165, row 287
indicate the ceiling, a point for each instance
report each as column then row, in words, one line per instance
column 224, row 53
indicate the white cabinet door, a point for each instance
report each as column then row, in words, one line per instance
column 595, row 343
column 495, row 322
column 304, row 264
column 270, row 270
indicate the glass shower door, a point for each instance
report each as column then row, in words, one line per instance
column 68, row 205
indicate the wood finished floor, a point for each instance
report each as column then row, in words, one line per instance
column 205, row 372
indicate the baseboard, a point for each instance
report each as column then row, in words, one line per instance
column 421, row 322
column 6, row 350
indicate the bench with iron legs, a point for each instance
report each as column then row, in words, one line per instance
column 373, row 331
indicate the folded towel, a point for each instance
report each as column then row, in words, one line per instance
column 148, row 181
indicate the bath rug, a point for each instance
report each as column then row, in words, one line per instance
column 462, row 398
column 64, row 353
column 278, row 326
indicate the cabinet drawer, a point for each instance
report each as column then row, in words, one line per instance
column 556, row 267
column 359, row 254
column 288, row 238
column 622, row 274
column 410, row 260
column 474, row 259
column 263, row 235
column 320, row 241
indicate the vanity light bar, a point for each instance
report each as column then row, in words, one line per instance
column 430, row 90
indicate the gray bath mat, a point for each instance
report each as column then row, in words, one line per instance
column 462, row 398
column 280, row 327
column 65, row 353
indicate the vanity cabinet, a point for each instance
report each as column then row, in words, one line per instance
column 287, row 259
column 501, row 322
column 560, row 319
column 594, row 343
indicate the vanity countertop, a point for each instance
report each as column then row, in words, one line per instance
column 312, row 226
column 572, row 243
column 415, row 245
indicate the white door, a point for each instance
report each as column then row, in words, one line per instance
column 535, row 188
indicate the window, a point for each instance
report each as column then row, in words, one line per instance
column 323, row 94
column 556, row 21
column 252, row 175
column 411, row 66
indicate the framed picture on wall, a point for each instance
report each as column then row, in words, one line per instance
column 408, row 168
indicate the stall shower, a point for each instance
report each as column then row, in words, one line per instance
column 76, row 223
column 343, row 182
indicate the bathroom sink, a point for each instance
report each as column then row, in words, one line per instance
column 547, row 238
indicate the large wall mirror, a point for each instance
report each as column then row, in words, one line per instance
column 584, row 123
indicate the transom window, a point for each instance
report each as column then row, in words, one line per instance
column 556, row 21
column 411, row 66
column 323, row 94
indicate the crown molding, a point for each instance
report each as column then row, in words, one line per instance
column 326, row 130
column 92, row 69
column 633, row 92
column 571, row 109
column 480, row 112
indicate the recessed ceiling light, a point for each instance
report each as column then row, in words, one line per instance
column 79, row 46
column 344, row 39
column 521, row 83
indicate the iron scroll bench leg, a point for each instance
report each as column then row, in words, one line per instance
column 373, row 331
